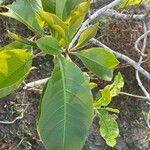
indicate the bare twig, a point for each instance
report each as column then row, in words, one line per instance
column 93, row 17
column 139, row 40
column 35, row 83
column 120, row 16
column 141, row 58
column 132, row 95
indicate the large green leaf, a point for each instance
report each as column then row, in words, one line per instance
column 108, row 128
column 99, row 61
column 49, row 45
column 66, row 109
column 25, row 12
column 14, row 65
column 86, row 35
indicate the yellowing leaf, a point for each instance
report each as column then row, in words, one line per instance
column 125, row 3
column 110, row 91
column 14, row 66
column 86, row 35
column 108, row 128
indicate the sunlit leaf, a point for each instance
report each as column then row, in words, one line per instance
column 86, row 35
column 100, row 61
column 76, row 17
column 14, row 65
column 125, row 3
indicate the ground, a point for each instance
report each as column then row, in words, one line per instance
column 134, row 134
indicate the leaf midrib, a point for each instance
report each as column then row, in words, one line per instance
column 64, row 94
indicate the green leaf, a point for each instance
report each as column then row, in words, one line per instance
column 108, row 128
column 76, row 17
column 49, row 5
column 60, row 5
column 14, row 66
column 61, row 8
column 49, row 45
column 100, row 61
column 109, row 109
column 66, row 109
column 20, row 39
column 125, row 3
column 86, row 35
column 7, row 90
column 15, row 45
column 57, row 27
column 25, row 12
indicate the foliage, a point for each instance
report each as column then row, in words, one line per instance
column 108, row 125
column 66, row 109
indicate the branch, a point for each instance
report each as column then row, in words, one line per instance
column 138, row 41
column 141, row 58
column 93, row 17
column 132, row 95
column 117, row 15
column 35, row 83
column 123, row 57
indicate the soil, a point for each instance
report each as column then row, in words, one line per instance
column 134, row 134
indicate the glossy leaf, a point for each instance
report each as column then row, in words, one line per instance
column 108, row 128
column 14, row 65
column 66, row 109
column 25, row 12
column 49, row 45
column 99, row 61
column 86, row 35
